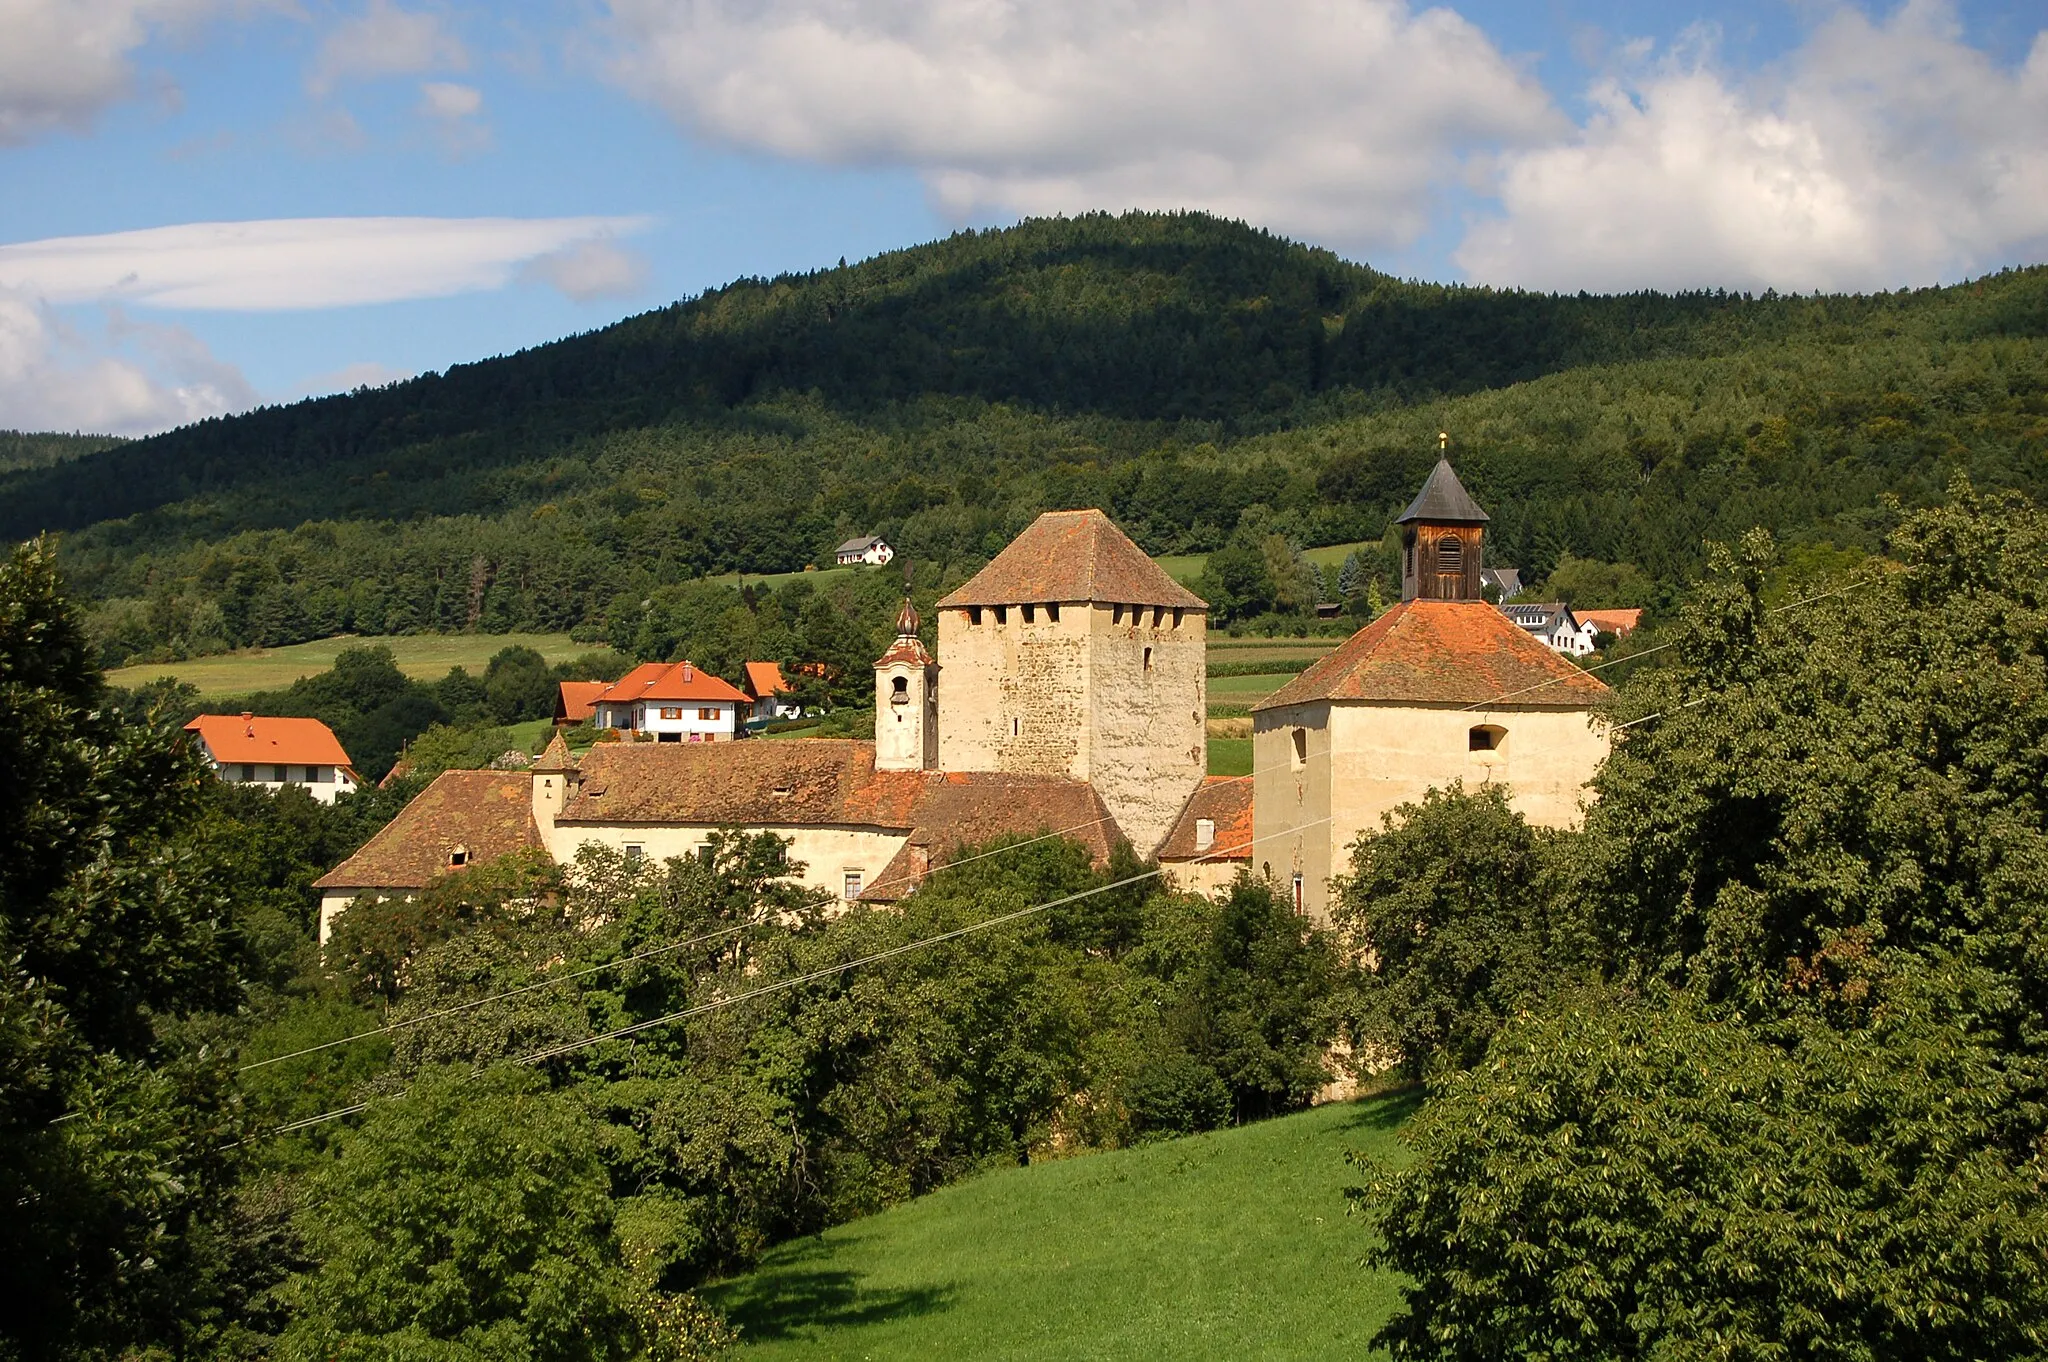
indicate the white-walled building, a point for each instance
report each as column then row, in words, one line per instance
column 250, row 749
column 868, row 549
column 674, row 702
column 1552, row 624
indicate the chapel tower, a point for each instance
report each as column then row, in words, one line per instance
column 906, row 697
column 1073, row 654
column 1443, row 534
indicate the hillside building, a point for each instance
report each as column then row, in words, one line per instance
column 672, row 702
column 251, row 749
column 1443, row 688
column 868, row 549
column 1067, row 697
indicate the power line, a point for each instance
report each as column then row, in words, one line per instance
column 797, row 981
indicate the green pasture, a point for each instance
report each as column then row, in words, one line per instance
column 1230, row 756
column 1186, row 567
column 426, row 657
column 1233, row 1244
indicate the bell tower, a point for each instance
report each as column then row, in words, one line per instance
column 1443, row 535
column 906, row 697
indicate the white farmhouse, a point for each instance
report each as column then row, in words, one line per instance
column 674, row 702
column 1553, row 624
column 252, row 750
column 867, row 549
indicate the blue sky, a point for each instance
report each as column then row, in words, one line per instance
column 423, row 183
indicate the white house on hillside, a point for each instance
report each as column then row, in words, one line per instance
column 1552, row 623
column 867, row 549
column 673, row 701
column 274, row 753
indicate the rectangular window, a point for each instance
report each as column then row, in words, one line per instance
column 1158, row 615
column 974, row 614
column 1052, row 611
column 1002, row 614
column 320, row 775
column 852, row 886
column 1300, row 748
column 705, row 855
column 708, row 713
column 1116, row 614
column 248, row 771
column 1297, row 891
column 1177, row 613
column 1015, row 725
column 671, row 711
column 1148, row 659
column 1031, row 614
column 277, row 773
column 635, row 853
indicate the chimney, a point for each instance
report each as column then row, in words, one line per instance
column 248, row 724
column 689, row 672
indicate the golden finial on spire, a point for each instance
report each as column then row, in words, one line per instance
column 1443, row 442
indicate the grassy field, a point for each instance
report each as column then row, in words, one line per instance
column 425, row 656
column 1185, row 567
column 1233, row 1244
column 1245, row 689
column 1230, row 756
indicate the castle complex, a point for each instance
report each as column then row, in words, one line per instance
column 1069, row 696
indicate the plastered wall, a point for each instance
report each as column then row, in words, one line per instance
column 1364, row 760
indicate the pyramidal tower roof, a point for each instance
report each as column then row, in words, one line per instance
column 1073, row 556
column 1443, row 498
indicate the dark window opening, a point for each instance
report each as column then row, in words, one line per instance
column 1450, row 554
column 899, row 691
column 1148, row 659
column 1178, row 611
column 974, row 614
column 459, row 856
column 1052, row 611
column 1031, row 614
column 1158, row 615
column 1116, row 614
column 1486, row 738
column 1002, row 614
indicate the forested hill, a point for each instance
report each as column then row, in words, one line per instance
column 1181, row 371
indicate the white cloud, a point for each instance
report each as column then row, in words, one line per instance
column 367, row 373
column 293, row 263
column 1336, row 118
column 1882, row 154
column 443, row 99
column 63, row 61
column 588, row 270
column 384, row 40
column 134, row 378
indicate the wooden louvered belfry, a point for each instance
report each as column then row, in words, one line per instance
column 1443, row 540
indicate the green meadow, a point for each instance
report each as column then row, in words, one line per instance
column 424, row 657
column 1233, row 1244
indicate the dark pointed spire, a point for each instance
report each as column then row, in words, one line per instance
column 1443, row 500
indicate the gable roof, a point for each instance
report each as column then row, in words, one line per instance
column 1443, row 652
column 1073, row 556
column 967, row 808
column 860, row 545
column 487, row 813
column 1443, row 498
column 771, row 782
column 764, row 679
column 1539, row 616
column 1225, row 801
column 670, row 681
column 1508, row 579
column 233, row 738
column 576, row 701
column 1616, row 622
column 627, row 688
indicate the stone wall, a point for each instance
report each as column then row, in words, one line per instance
column 1147, row 715
column 1013, row 692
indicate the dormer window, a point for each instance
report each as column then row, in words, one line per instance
column 458, row 857
column 1205, row 833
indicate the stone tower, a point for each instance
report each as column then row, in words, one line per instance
column 906, row 698
column 1443, row 534
column 1073, row 654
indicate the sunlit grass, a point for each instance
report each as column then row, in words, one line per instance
column 426, row 657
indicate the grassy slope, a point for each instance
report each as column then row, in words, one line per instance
column 1230, row 756
column 1233, row 1244
column 425, row 656
column 1186, row 567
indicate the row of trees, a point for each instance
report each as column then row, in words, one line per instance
column 1754, row 1065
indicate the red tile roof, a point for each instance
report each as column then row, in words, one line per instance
column 1227, row 802
column 1443, row 652
column 750, row 784
column 764, row 679
column 254, row 738
column 671, row 681
column 488, row 814
column 1073, row 556
column 1615, row 622
column 967, row 808
column 576, row 701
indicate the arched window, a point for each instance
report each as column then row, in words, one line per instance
column 1486, row 738
column 1450, row 554
column 899, row 691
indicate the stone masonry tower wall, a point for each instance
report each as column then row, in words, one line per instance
column 1073, row 654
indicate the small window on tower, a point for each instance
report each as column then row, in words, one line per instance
column 1297, row 891
column 1052, row 611
column 1148, row 659
column 1002, row 614
column 1450, row 554
column 1178, row 611
column 974, row 614
column 899, row 691
column 1158, row 615
column 1016, row 726
column 1031, row 614
column 1300, row 748
column 1116, row 614
column 1486, row 738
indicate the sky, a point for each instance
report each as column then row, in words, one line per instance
column 208, row 205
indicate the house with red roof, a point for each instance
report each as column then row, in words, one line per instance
column 1443, row 689
column 576, row 702
column 768, row 692
column 672, row 702
column 251, row 749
